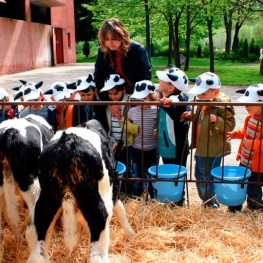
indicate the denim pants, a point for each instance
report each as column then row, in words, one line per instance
column 203, row 167
column 141, row 162
column 254, row 191
column 126, row 158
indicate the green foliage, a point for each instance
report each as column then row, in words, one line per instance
column 86, row 49
column 233, row 57
column 93, row 47
column 253, row 57
column 245, row 49
column 199, row 51
column 83, row 21
column 252, row 46
column 206, row 52
column 240, row 44
column 257, row 50
column 164, row 50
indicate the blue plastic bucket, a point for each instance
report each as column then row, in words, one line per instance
column 169, row 191
column 231, row 194
column 120, row 168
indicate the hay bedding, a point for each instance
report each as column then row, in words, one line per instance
column 164, row 234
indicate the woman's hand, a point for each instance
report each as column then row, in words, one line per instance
column 115, row 111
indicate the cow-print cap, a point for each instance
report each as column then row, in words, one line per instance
column 142, row 89
column 113, row 81
column 59, row 91
column 253, row 93
column 84, row 83
column 29, row 91
column 3, row 93
column 175, row 76
column 205, row 81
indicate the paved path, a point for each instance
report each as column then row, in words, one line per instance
column 71, row 72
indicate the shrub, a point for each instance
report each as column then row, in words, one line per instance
column 199, row 51
column 206, row 52
column 86, row 49
column 245, row 49
column 253, row 57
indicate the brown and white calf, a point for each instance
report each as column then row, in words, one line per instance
column 77, row 168
column 21, row 141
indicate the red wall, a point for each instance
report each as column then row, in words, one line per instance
column 25, row 45
column 63, row 17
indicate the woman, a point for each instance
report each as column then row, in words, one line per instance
column 117, row 54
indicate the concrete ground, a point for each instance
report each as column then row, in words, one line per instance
column 71, row 72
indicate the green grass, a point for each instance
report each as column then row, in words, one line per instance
column 230, row 73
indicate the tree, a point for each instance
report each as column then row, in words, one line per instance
column 199, row 51
column 86, row 49
column 252, row 46
column 83, row 21
column 245, row 10
column 245, row 49
column 228, row 27
column 210, row 9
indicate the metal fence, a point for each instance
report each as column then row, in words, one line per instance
column 240, row 113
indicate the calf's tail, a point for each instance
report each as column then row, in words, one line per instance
column 69, row 221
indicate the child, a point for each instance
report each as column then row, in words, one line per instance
column 86, row 90
column 250, row 152
column 7, row 111
column 144, row 148
column 208, row 133
column 172, row 127
column 31, row 91
column 115, row 88
column 62, row 115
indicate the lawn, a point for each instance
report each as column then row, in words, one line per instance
column 230, row 73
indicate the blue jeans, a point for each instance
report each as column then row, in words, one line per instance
column 203, row 167
column 126, row 158
column 254, row 191
column 141, row 162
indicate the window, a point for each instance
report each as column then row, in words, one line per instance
column 13, row 9
column 69, row 42
column 40, row 14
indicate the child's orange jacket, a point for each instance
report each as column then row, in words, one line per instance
column 257, row 160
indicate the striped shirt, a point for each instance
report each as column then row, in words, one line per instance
column 253, row 127
column 146, row 118
column 115, row 127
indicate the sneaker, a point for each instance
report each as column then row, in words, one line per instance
column 212, row 206
column 233, row 209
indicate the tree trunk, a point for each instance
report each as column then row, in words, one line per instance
column 187, row 40
column 235, row 39
column 147, row 27
column 228, row 27
column 177, row 41
column 211, row 44
column 170, row 51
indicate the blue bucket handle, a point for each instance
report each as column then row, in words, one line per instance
column 225, row 153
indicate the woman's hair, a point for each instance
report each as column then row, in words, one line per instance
column 116, row 29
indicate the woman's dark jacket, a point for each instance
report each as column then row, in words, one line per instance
column 136, row 67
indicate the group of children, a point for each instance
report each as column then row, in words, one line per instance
column 149, row 132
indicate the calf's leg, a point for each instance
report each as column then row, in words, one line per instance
column 97, row 212
column 47, row 208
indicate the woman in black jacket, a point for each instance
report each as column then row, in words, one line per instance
column 117, row 54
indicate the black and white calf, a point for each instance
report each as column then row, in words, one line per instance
column 21, row 141
column 77, row 174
